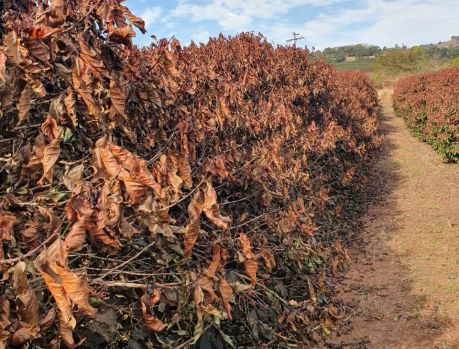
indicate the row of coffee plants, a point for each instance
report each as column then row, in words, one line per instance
column 170, row 195
column 429, row 103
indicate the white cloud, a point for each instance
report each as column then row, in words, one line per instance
column 151, row 15
column 380, row 22
column 325, row 23
column 239, row 15
column 201, row 36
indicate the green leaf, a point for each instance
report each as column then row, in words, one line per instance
column 56, row 197
column 22, row 191
column 95, row 302
column 67, row 134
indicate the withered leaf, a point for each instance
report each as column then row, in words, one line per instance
column 114, row 162
column 42, row 32
column 39, row 50
column 30, row 235
column 91, row 59
column 251, row 267
column 269, row 260
column 226, row 292
column 216, row 257
column 122, row 35
column 137, row 21
column 50, row 156
column 48, row 320
column 66, row 319
column 212, row 210
column 76, row 288
column 23, row 105
column 50, row 128
column 90, row 215
column 28, row 307
column 81, row 80
column 2, row 69
column 13, row 48
column 246, row 246
column 118, row 98
column 5, row 336
column 191, row 235
column 147, row 303
column 70, row 102
column 7, row 221
column 73, row 177
column 205, row 200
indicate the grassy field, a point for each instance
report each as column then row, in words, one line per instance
column 364, row 65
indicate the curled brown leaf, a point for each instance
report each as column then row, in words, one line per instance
column 147, row 303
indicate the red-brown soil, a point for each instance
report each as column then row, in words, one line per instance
column 402, row 290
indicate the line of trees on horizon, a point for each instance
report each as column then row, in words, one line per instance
column 364, row 51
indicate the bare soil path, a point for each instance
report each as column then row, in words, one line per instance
column 402, row 289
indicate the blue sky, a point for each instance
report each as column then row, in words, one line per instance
column 324, row 23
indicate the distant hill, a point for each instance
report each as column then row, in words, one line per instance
column 442, row 51
column 454, row 42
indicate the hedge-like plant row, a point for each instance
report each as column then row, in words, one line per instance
column 429, row 103
column 156, row 197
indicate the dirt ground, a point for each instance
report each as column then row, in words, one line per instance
column 402, row 290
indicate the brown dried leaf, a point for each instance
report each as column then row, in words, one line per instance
column 7, row 221
column 57, row 13
column 92, row 59
column 246, row 247
column 27, row 307
column 81, row 79
column 41, row 32
column 191, row 235
column 89, row 215
column 13, row 49
column 269, row 260
column 45, row 263
column 207, row 285
column 62, row 300
column 212, row 210
column 36, row 86
column 2, row 69
column 118, row 98
column 114, row 162
column 122, row 35
column 226, row 292
column 39, row 50
column 75, row 239
column 73, row 177
column 147, row 303
column 48, row 320
column 70, row 106
column 50, row 218
column 137, row 21
column 251, row 267
column 127, row 229
column 30, row 235
column 76, row 288
column 4, row 313
column 203, row 201
column 50, row 128
column 23, row 105
column 50, row 156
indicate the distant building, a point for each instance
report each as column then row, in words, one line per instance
column 454, row 42
column 354, row 58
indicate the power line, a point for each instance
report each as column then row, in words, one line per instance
column 296, row 37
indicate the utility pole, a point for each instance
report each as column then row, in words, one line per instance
column 296, row 37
